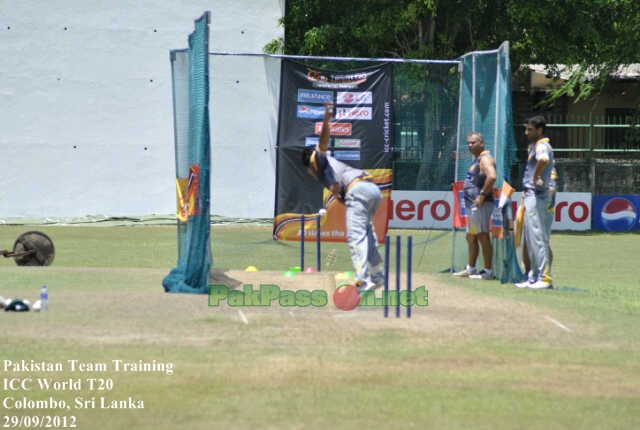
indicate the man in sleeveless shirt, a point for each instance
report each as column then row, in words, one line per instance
column 478, row 199
column 356, row 190
column 536, row 183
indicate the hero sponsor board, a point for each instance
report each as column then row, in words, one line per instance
column 421, row 209
column 434, row 209
column 357, row 113
column 572, row 212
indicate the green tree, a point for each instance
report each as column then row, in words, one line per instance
column 592, row 37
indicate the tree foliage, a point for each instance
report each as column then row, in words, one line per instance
column 595, row 36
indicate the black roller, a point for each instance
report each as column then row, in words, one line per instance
column 33, row 248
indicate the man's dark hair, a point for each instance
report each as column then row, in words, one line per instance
column 306, row 155
column 538, row 122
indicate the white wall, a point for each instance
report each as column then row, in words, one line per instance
column 86, row 107
column 244, row 133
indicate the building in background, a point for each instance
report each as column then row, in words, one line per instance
column 597, row 141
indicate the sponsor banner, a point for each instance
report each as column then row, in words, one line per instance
column 357, row 113
column 616, row 213
column 347, row 143
column 435, row 209
column 572, row 212
column 421, row 209
column 188, row 194
column 460, row 218
column 314, row 96
column 325, row 79
column 347, row 155
column 497, row 221
column 363, row 134
column 500, row 215
column 310, row 112
column 336, row 128
column 311, row 141
column 287, row 226
column 354, row 98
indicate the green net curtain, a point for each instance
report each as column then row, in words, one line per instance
column 190, row 71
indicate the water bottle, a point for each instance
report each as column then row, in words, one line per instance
column 44, row 298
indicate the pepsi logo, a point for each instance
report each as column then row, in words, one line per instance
column 618, row 214
column 348, row 98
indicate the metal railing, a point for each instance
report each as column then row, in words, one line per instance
column 593, row 139
column 593, row 146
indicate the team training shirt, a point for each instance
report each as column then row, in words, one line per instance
column 538, row 150
column 330, row 171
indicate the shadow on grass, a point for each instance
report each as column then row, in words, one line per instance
column 217, row 276
column 570, row 289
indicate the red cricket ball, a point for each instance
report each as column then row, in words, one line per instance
column 346, row 297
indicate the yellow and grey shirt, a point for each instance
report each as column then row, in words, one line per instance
column 330, row 171
column 542, row 148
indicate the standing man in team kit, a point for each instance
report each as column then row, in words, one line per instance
column 478, row 199
column 536, row 183
column 551, row 208
column 356, row 190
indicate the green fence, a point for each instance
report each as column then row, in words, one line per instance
column 593, row 154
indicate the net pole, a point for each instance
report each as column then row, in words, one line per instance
column 473, row 93
column 409, row 268
column 302, row 242
column 318, row 245
column 174, row 96
column 385, row 294
column 497, row 145
column 457, row 165
column 398, row 270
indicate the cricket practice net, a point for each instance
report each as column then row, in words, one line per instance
column 404, row 121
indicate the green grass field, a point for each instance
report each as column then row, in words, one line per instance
column 482, row 355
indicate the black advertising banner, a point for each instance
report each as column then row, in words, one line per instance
column 361, row 136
